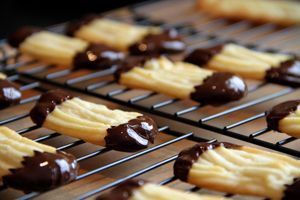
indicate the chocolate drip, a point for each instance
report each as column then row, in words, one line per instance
column 76, row 25
column 279, row 112
column 188, row 157
column 220, row 88
column 43, row 171
column 123, row 191
column 288, row 73
column 166, row 42
column 129, row 63
column 133, row 135
column 9, row 94
column 16, row 38
column 292, row 191
column 201, row 57
column 46, row 104
column 97, row 56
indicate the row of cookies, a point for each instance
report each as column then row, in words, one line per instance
column 223, row 167
column 220, row 166
column 99, row 43
column 29, row 166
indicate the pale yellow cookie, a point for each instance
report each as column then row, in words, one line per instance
column 52, row 47
column 237, row 59
column 285, row 118
column 29, row 166
column 141, row 190
column 95, row 123
column 185, row 81
column 2, row 76
column 239, row 170
column 282, row 12
column 14, row 147
column 176, row 79
column 115, row 34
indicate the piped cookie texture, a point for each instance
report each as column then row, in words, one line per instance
column 183, row 80
column 138, row 40
column 239, row 169
column 261, row 11
column 95, row 123
column 285, row 118
column 63, row 50
column 29, row 166
column 9, row 92
column 143, row 190
column 273, row 67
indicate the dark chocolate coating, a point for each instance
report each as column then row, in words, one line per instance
column 279, row 112
column 43, row 171
column 129, row 63
column 168, row 41
column 97, row 56
column 188, row 157
column 288, row 73
column 9, row 94
column 16, row 38
column 74, row 26
column 292, row 192
column 201, row 57
column 133, row 135
column 46, row 104
column 219, row 88
column 124, row 190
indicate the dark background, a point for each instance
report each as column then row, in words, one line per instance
column 15, row 13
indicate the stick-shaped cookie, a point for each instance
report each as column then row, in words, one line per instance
column 9, row 92
column 285, row 118
column 94, row 123
column 183, row 80
column 138, row 39
column 274, row 67
column 271, row 11
column 143, row 190
column 63, row 50
column 239, row 170
column 29, row 166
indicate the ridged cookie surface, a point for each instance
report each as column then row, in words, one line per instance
column 183, row 80
column 30, row 166
column 239, row 170
column 110, row 32
column 142, row 190
column 94, row 123
column 237, row 59
column 59, row 49
column 271, row 11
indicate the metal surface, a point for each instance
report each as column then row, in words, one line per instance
column 241, row 122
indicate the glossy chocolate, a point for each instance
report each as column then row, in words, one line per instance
column 188, row 157
column 133, row 135
column 97, row 56
column 124, row 190
column 292, row 191
column 76, row 25
column 288, row 73
column 43, row 171
column 9, row 94
column 219, row 88
column 168, row 41
column 279, row 112
column 129, row 63
column 201, row 57
column 46, row 105
column 16, row 38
